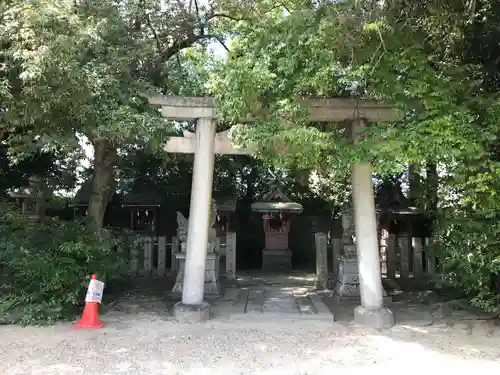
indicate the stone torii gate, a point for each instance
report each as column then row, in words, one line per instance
column 205, row 143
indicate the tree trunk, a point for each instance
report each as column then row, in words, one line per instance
column 105, row 157
column 415, row 193
column 432, row 187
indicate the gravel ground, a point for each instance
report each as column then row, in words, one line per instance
column 145, row 343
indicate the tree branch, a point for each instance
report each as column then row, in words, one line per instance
column 222, row 43
column 222, row 15
column 155, row 34
column 178, row 46
column 233, row 18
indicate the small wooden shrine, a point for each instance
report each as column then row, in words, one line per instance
column 226, row 206
column 276, row 209
column 396, row 214
column 143, row 208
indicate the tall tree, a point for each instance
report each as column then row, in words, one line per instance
column 87, row 67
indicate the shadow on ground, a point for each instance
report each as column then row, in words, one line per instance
column 140, row 337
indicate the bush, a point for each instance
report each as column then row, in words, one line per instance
column 47, row 267
column 469, row 251
column 468, row 239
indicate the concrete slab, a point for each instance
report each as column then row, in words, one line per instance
column 272, row 298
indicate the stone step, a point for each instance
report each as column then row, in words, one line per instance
column 271, row 303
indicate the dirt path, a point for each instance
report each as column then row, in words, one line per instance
column 140, row 337
column 143, row 343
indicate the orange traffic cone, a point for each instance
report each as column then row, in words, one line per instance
column 90, row 316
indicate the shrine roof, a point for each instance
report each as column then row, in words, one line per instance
column 83, row 194
column 389, row 198
column 291, row 207
column 276, row 201
column 225, row 203
column 144, row 198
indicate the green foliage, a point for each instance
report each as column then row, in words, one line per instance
column 467, row 238
column 85, row 67
column 45, row 274
column 469, row 250
column 436, row 60
column 80, row 71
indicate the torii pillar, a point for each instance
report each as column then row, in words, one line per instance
column 204, row 143
column 371, row 312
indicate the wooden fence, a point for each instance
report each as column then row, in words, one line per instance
column 154, row 256
column 400, row 257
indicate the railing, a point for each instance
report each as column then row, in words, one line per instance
column 153, row 256
column 400, row 257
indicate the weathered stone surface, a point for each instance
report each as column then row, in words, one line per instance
column 415, row 315
column 348, row 280
column 184, row 313
column 231, row 256
column 277, row 260
column 272, row 300
column 347, row 285
column 320, row 242
column 212, row 286
column 380, row 318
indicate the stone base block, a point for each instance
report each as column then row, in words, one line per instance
column 222, row 266
column 277, row 260
column 185, row 313
column 379, row 318
column 212, row 286
column 347, row 285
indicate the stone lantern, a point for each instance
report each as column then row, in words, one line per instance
column 276, row 209
column 33, row 198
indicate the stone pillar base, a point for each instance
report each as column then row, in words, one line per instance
column 212, row 286
column 185, row 313
column 277, row 260
column 347, row 285
column 379, row 318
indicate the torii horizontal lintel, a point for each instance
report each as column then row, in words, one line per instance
column 320, row 110
column 222, row 145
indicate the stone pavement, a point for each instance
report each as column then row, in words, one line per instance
column 272, row 297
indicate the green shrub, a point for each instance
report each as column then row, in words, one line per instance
column 468, row 238
column 469, row 251
column 46, row 267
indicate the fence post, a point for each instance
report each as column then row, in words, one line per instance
column 417, row 256
column 162, row 256
column 134, row 255
column 404, row 248
column 174, row 250
column 390, row 255
column 382, row 242
column 320, row 242
column 231, row 255
column 148, row 255
column 431, row 259
column 336, row 249
column 218, row 246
